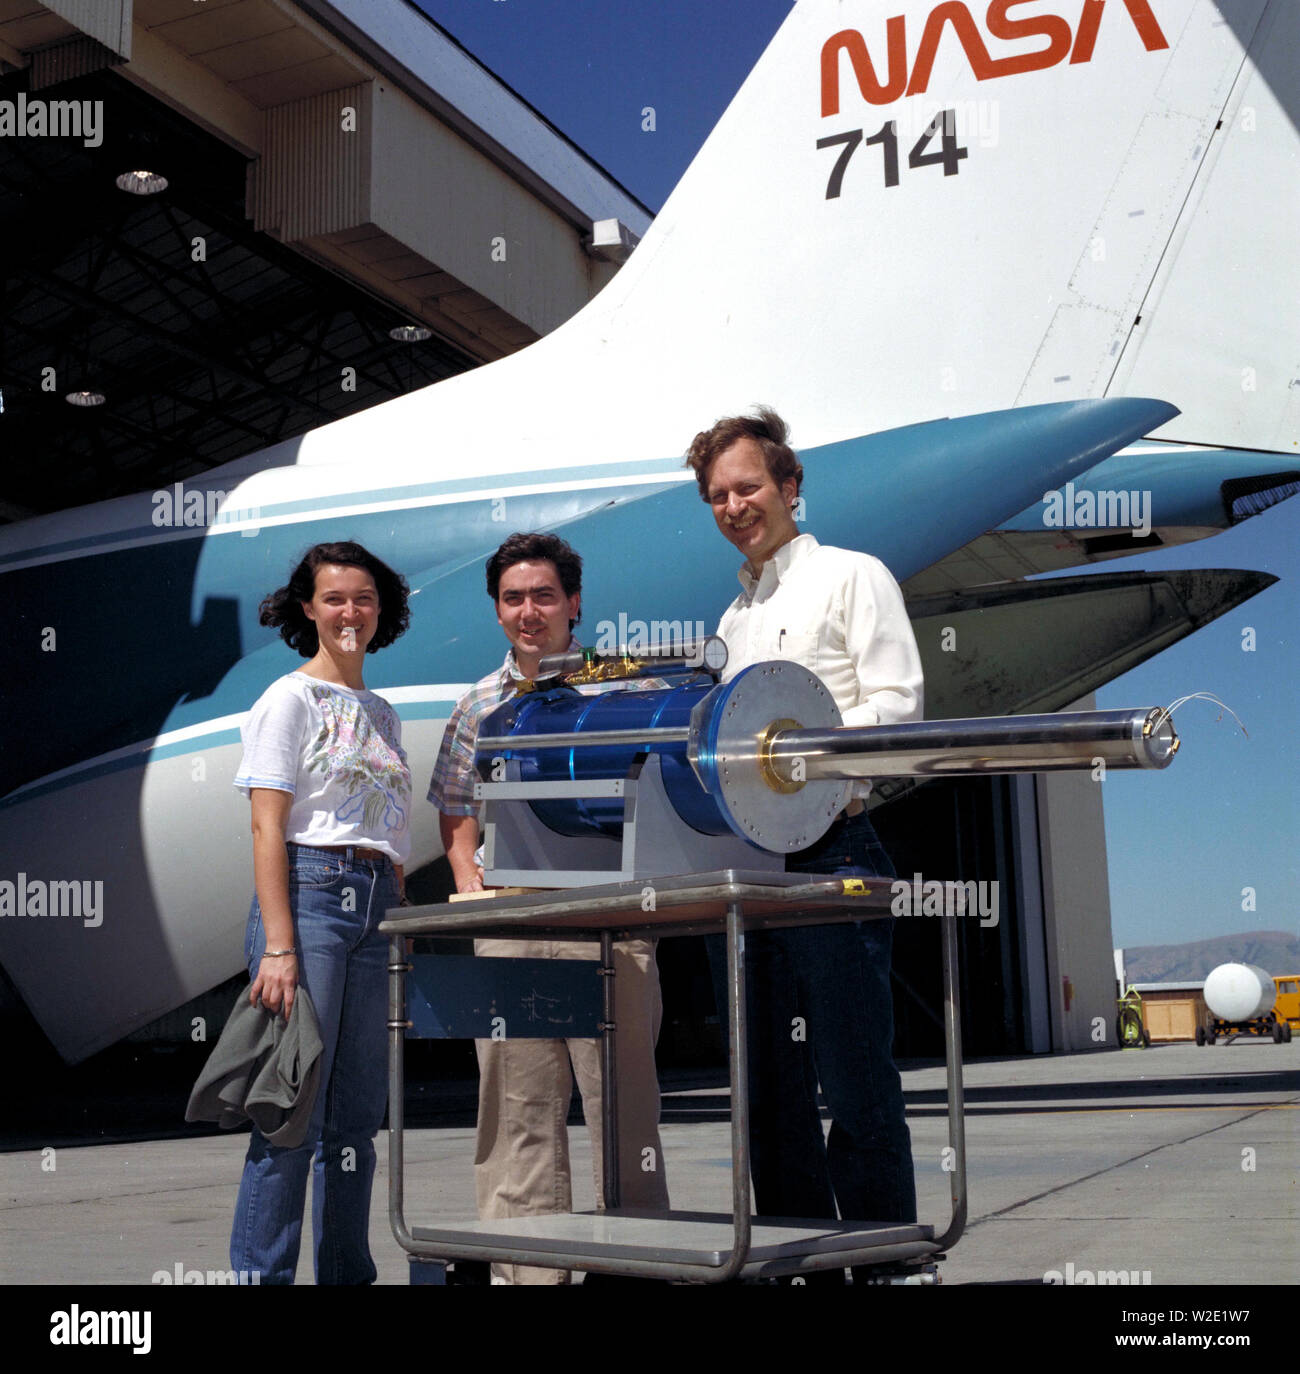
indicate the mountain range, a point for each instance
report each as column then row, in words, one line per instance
column 1275, row 951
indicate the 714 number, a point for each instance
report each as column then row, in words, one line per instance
column 948, row 155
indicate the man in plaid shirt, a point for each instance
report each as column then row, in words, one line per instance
column 521, row 1161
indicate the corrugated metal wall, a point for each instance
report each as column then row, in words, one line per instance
column 72, row 58
column 314, row 173
column 108, row 21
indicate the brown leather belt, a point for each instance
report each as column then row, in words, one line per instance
column 357, row 851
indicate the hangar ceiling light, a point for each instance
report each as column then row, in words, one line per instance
column 410, row 333
column 141, row 183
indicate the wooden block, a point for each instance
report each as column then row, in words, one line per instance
column 496, row 892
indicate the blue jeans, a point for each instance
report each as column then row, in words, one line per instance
column 820, row 1010
column 338, row 901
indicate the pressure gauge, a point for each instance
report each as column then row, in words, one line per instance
column 713, row 654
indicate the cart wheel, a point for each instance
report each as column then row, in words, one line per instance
column 1146, row 1038
column 1210, row 1037
column 1200, row 1035
column 1286, row 1033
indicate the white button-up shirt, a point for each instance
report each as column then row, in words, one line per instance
column 841, row 615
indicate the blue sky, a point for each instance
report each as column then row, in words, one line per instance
column 592, row 66
column 1225, row 815
column 1181, row 845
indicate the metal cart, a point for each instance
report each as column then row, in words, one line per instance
column 684, row 1246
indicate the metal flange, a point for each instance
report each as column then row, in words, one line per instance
column 729, row 731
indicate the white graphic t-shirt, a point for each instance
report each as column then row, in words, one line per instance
column 339, row 753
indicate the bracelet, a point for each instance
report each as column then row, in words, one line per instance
column 277, row 953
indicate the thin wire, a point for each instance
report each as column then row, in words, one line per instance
column 1168, row 711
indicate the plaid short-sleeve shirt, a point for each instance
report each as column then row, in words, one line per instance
column 451, row 789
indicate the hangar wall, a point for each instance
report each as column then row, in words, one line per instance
column 1076, row 907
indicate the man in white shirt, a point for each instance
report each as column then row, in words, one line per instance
column 821, row 1009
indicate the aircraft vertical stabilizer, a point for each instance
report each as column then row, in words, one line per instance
column 845, row 250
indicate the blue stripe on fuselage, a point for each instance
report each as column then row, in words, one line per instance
column 326, row 507
column 145, row 641
column 195, row 744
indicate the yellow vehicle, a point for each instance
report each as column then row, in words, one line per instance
column 1287, row 1007
column 1130, row 1031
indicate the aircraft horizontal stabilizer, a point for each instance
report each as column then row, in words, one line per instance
column 1149, row 496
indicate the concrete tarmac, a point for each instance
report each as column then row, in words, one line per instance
column 1174, row 1165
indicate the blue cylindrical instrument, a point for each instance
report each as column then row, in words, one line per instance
column 563, row 710
column 764, row 756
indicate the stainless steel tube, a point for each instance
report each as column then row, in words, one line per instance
column 1134, row 738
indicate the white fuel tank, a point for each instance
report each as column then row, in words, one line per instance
column 1239, row 992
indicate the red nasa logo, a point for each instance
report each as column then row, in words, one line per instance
column 1077, row 42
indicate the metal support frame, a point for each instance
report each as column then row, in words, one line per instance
column 520, row 850
column 738, row 1070
column 611, row 1185
column 956, row 1095
column 773, row 899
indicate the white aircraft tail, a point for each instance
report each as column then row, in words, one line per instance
column 915, row 209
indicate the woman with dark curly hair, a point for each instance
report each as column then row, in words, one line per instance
column 330, row 789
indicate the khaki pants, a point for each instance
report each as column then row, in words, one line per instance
column 521, row 1164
